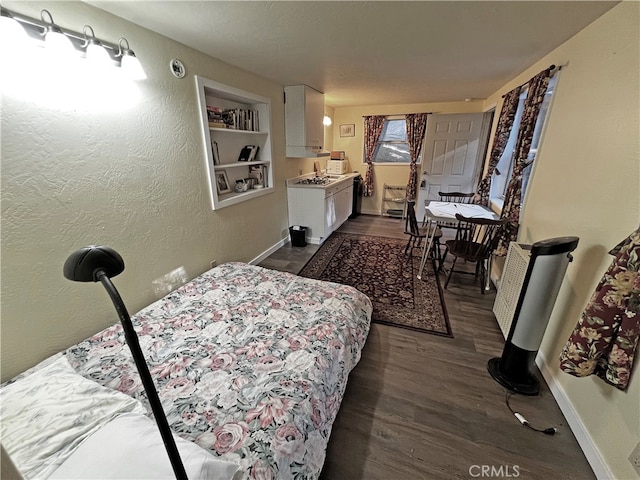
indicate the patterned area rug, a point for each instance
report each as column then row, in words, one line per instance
column 378, row 267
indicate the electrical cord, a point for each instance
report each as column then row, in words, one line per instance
column 523, row 421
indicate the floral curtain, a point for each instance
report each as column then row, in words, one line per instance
column 372, row 130
column 500, row 140
column 416, row 127
column 606, row 338
column 511, row 208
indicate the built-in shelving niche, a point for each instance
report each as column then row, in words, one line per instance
column 232, row 119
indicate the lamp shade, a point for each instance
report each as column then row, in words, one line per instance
column 95, row 52
column 131, row 67
column 54, row 39
column 11, row 32
column 83, row 264
column 58, row 43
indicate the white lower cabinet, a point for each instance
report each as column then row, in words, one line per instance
column 343, row 202
column 329, row 216
column 321, row 209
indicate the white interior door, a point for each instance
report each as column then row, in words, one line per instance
column 453, row 150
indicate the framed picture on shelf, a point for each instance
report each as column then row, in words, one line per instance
column 222, row 182
column 348, row 130
column 258, row 172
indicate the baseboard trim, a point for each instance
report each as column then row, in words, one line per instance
column 370, row 212
column 590, row 450
column 269, row 251
column 377, row 213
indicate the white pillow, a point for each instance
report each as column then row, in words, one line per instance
column 48, row 413
column 130, row 447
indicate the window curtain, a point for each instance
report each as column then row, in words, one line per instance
column 511, row 208
column 607, row 336
column 500, row 140
column 416, row 127
column 373, row 125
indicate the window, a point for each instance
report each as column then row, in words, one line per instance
column 502, row 175
column 392, row 146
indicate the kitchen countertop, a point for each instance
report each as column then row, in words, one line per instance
column 334, row 180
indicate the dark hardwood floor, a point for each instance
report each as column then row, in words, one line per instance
column 420, row 406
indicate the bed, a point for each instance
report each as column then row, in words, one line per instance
column 250, row 365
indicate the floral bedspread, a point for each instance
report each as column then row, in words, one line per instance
column 249, row 363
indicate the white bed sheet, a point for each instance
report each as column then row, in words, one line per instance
column 48, row 413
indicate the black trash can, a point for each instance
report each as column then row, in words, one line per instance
column 357, row 196
column 298, row 236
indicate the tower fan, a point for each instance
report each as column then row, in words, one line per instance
column 547, row 265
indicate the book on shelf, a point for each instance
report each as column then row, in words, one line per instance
column 248, row 153
column 236, row 119
column 214, row 112
column 214, row 116
column 254, row 153
column 216, row 153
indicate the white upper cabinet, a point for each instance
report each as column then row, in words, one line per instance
column 304, row 112
column 237, row 142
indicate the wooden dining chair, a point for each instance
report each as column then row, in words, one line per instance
column 417, row 233
column 475, row 241
column 454, row 197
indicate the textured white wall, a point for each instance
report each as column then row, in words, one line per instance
column 586, row 182
column 129, row 176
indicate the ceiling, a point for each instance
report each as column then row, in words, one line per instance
column 372, row 53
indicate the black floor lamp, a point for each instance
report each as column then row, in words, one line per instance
column 99, row 264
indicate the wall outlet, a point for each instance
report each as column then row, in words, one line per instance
column 634, row 458
column 169, row 281
column 213, row 263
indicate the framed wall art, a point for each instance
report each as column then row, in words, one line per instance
column 348, row 130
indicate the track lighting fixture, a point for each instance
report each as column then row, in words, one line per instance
column 67, row 43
